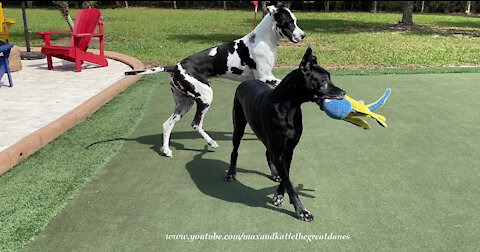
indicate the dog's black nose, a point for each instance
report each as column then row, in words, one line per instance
column 303, row 36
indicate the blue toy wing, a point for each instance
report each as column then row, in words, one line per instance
column 379, row 102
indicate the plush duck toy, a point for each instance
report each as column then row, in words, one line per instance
column 352, row 111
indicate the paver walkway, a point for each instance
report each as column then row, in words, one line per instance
column 40, row 96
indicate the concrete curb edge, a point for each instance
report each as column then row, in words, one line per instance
column 19, row 151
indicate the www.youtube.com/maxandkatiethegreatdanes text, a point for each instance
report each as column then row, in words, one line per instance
column 256, row 237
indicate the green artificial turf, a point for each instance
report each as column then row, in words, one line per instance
column 410, row 187
column 38, row 188
column 34, row 191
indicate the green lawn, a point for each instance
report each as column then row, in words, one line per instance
column 162, row 36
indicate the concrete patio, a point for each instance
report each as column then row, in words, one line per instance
column 39, row 97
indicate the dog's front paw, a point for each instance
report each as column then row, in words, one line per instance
column 305, row 215
column 277, row 200
column 167, row 152
column 230, row 177
column 214, row 144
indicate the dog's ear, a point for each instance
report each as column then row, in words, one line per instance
column 272, row 9
column 307, row 62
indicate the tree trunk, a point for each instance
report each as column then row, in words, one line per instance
column 423, row 6
column 225, row 5
column 374, row 6
column 126, row 4
column 63, row 5
column 25, row 26
column 469, row 7
column 447, row 7
column 174, row 4
column 327, row 6
column 407, row 18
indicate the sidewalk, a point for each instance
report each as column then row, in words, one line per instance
column 39, row 97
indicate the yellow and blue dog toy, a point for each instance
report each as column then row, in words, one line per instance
column 352, row 111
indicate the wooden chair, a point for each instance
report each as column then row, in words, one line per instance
column 6, row 25
column 83, row 31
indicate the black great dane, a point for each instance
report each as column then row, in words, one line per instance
column 275, row 117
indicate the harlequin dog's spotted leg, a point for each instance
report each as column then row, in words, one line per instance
column 201, row 93
column 183, row 103
column 203, row 104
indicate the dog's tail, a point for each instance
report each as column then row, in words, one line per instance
column 151, row 70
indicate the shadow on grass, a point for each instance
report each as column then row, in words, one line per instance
column 208, row 176
column 156, row 141
column 341, row 26
column 218, row 38
column 473, row 22
column 308, row 25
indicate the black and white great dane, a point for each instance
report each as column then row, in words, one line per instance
column 275, row 116
column 250, row 57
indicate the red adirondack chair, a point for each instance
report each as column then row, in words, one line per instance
column 83, row 31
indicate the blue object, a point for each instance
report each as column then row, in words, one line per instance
column 339, row 109
column 380, row 101
column 4, row 64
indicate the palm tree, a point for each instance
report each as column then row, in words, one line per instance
column 63, row 5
